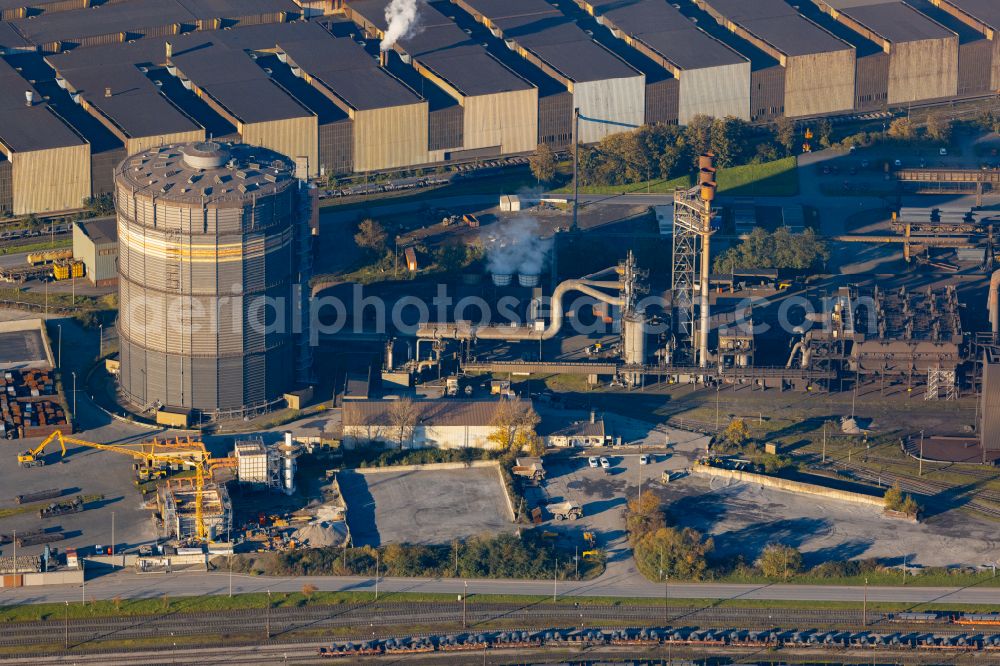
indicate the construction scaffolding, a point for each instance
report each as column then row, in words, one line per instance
column 191, row 513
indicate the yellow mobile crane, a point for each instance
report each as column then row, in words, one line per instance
column 187, row 453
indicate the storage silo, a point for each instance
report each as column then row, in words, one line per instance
column 213, row 244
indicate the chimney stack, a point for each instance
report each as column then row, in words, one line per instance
column 107, row 91
column 170, row 50
column 383, row 58
column 29, row 97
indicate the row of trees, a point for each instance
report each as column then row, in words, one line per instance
column 487, row 556
column 661, row 151
column 778, row 249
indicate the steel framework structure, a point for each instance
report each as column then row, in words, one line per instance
column 686, row 273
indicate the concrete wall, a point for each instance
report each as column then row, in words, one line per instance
column 50, row 180
column 63, row 577
column 390, row 137
column 422, row 437
column 872, row 82
column 508, row 120
column 767, row 93
column 975, row 67
column 619, row 100
column 715, row 91
column 922, row 70
column 294, row 137
column 819, row 83
column 790, row 486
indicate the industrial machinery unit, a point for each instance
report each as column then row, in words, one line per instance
column 214, row 247
column 270, row 467
column 889, row 335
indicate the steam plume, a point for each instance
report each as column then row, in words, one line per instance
column 517, row 248
column 401, row 15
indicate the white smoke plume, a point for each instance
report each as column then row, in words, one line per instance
column 401, row 15
column 517, row 247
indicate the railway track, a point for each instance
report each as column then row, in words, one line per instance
column 290, row 621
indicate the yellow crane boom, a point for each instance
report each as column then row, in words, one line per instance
column 189, row 452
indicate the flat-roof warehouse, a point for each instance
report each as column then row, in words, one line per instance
column 923, row 55
column 44, row 164
column 819, row 68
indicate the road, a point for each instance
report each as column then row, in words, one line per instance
column 128, row 585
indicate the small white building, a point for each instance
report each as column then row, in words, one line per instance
column 446, row 424
column 586, row 433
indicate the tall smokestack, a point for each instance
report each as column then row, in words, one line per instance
column 707, row 191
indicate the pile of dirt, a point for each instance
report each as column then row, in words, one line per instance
column 321, row 534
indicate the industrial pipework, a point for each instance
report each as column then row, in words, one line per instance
column 994, row 303
column 467, row 331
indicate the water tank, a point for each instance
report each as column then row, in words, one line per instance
column 208, row 264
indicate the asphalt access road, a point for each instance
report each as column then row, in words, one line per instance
column 129, row 585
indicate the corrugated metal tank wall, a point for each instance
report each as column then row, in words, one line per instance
column 663, row 101
column 767, row 93
column 819, row 83
column 555, row 120
column 995, row 78
column 619, row 100
column 975, row 62
column 446, row 128
column 390, row 137
column 923, row 70
column 872, row 82
column 715, row 91
column 51, row 180
column 192, row 282
column 336, row 147
column 6, row 186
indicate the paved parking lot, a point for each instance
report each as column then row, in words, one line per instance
column 603, row 494
column 82, row 472
column 427, row 506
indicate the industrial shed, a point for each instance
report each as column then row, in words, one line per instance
column 975, row 51
column 604, row 87
column 95, row 243
column 984, row 17
column 46, row 164
column 713, row 78
column 499, row 108
column 819, row 68
column 237, row 89
column 121, row 98
column 389, row 121
column 118, row 22
column 923, row 54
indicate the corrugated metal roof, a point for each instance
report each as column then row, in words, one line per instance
column 24, row 128
column 778, row 24
column 893, row 21
column 668, row 32
column 455, row 412
column 100, row 231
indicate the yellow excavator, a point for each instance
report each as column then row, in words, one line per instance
column 152, row 457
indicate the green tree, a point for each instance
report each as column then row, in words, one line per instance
column 698, row 135
column 371, row 236
column 896, row 500
column 780, row 249
column 451, row 258
column 779, row 561
column 643, row 515
column 543, row 163
column 785, row 134
column 513, row 424
column 824, row 132
column 737, row 433
column 678, row 553
column 729, row 138
column 902, row 129
column 939, row 128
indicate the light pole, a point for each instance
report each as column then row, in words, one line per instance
column 66, row 624
column 864, row 606
column 59, row 349
column 74, row 394
column 100, row 340
column 555, row 578
column 465, row 605
column 921, row 463
column 267, row 617
column 377, row 554
column 113, row 549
